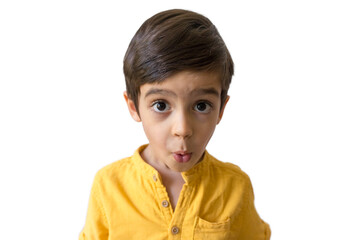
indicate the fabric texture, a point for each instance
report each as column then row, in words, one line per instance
column 129, row 201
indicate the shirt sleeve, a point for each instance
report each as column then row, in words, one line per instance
column 249, row 223
column 96, row 225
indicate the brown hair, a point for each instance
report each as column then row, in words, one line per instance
column 174, row 41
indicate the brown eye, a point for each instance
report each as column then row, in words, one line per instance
column 202, row 107
column 160, row 106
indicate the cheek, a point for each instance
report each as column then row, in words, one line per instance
column 205, row 130
column 154, row 131
column 207, row 122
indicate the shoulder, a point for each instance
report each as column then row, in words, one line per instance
column 233, row 183
column 228, row 171
column 114, row 170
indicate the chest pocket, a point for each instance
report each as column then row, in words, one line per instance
column 211, row 230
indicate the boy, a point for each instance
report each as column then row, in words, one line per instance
column 178, row 71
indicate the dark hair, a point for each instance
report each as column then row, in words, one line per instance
column 173, row 41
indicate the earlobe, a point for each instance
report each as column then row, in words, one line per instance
column 222, row 110
column 132, row 109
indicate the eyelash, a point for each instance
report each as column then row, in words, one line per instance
column 153, row 105
column 167, row 107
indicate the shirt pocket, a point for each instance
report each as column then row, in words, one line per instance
column 211, row 230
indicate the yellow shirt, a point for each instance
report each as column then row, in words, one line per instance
column 128, row 201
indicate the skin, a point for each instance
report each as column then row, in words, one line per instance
column 179, row 116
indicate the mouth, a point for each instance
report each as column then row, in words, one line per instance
column 181, row 156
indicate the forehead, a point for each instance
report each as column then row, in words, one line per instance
column 186, row 83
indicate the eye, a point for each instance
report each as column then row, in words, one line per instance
column 203, row 107
column 160, row 106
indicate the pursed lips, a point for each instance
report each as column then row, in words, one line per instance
column 182, row 156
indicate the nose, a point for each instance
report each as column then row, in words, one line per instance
column 182, row 126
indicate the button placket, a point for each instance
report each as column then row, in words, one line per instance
column 163, row 200
column 184, row 231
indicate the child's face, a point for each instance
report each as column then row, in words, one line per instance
column 179, row 116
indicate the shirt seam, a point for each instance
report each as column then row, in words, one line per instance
column 97, row 195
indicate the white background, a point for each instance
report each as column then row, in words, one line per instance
column 292, row 122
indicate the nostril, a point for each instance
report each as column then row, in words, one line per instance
column 182, row 133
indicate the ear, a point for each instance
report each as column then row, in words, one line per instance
column 132, row 109
column 222, row 110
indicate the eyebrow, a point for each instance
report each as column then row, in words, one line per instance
column 159, row 91
column 205, row 91
column 201, row 91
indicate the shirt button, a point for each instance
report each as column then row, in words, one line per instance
column 165, row 203
column 175, row 230
column 155, row 178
